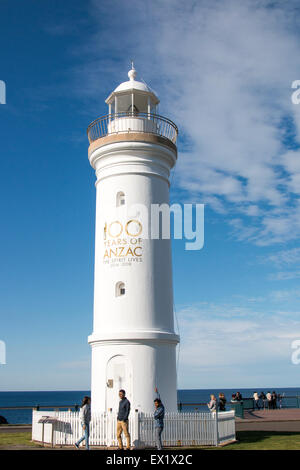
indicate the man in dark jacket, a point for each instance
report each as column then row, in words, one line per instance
column 122, row 420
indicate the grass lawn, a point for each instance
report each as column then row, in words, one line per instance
column 265, row 440
column 247, row 440
column 10, row 440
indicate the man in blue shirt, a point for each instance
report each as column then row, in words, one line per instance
column 122, row 423
column 159, row 415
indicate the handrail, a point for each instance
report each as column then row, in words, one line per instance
column 30, row 407
column 76, row 406
column 133, row 122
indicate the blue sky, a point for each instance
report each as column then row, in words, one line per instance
column 223, row 71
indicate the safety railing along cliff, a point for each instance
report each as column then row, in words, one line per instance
column 132, row 122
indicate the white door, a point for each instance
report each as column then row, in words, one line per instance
column 118, row 376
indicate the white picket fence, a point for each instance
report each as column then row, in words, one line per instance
column 180, row 429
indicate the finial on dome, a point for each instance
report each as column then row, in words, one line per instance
column 132, row 72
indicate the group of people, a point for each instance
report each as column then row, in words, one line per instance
column 271, row 400
column 235, row 397
column 215, row 404
column 122, row 420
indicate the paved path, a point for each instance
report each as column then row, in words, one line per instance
column 285, row 414
column 14, row 429
column 285, row 420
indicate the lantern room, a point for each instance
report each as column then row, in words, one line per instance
column 132, row 108
column 132, row 97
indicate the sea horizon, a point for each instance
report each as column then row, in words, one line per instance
column 261, row 387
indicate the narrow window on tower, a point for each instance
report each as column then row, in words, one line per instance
column 120, row 289
column 120, row 199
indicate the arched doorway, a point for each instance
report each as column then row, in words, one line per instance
column 118, row 376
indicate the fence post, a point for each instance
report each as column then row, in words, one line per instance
column 109, row 428
column 242, row 410
column 216, row 428
column 136, row 429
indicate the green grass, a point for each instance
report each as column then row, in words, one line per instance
column 265, row 440
column 12, row 439
column 247, row 440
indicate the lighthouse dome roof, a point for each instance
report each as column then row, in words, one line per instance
column 133, row 85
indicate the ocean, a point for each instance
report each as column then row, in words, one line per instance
column 65, row 398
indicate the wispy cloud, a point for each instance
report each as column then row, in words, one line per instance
column 285, row 295
column 282, row 257
column 284, row 275
column 224, row 72
column 215, row 342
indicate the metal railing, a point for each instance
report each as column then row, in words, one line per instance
column 247, row 404
column 239, row 407
column 40, row 407
column 133, row 122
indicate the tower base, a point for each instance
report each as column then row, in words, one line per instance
column 137, row 366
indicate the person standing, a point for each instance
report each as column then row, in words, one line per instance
column 122, row 420
column 158, row 415
column 85, row 419
column 269, row 398
column 263, row 398
column 238, row 396
column 256, row 400
column 274, row 400
column 222, row 402
column 212, row 405
column 233, row 398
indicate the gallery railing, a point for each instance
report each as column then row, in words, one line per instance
column 132, row 122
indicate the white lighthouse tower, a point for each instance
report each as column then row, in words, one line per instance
column 132, row 150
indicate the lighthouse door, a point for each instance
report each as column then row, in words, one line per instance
column 118, row 376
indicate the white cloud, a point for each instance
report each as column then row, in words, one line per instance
column 285, row 294
column 214, row 342
column 224, row 72
column 284, row 275
column 281, row 259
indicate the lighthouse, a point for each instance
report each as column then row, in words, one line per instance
column 133, row 344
